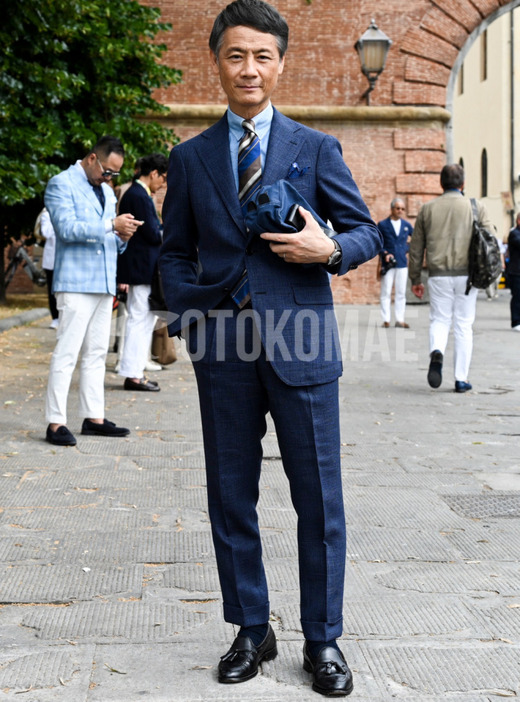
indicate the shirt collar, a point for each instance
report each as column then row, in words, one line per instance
column 80, row 168
column 144, row 186
column 262, row 122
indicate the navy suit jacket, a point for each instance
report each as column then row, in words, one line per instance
column 206, row 246
column 136, row 265
column 396, row 245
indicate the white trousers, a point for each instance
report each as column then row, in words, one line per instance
column 448, row 304
column 85, row 320
column 399, row 276
column 138, row 332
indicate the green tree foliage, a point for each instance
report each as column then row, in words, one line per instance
column 71, row 71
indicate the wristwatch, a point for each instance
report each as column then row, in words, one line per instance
column 335, row 256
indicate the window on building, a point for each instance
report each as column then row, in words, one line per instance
column 483, row 55
column 460, row 80
column 483, row 174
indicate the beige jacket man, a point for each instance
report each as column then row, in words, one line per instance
column 443, row 230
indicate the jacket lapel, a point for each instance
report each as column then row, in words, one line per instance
column 213, row 150
column 84, row 186
column 214, row 154
column 284, row 147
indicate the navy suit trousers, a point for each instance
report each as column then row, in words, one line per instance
column 237, row 387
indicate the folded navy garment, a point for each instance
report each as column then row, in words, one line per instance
column 275, row 209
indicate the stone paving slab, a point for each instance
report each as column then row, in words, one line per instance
column 107, row 573
column 46, row 673
column 413, row 671
column 62, row 583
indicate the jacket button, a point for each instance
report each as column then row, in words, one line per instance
column 226, row 289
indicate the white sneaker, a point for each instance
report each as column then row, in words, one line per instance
column 517, row 328
column 54, row 324
column 152, row 366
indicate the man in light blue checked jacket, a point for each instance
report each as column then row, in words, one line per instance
column 89, row 236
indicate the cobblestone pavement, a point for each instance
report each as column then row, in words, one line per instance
column 108, row 584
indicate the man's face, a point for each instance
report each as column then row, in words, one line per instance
column 248, row 65
column 157, row 180
column 96, row 165
column 397, row 211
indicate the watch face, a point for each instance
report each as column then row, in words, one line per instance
column 334, row 258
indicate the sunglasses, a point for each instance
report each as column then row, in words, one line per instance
column 106, row 172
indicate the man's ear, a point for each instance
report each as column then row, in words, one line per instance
column 213, row 61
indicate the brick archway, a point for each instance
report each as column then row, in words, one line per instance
column 434, row 45
column 395, row 146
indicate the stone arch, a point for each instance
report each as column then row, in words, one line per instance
column 435, row 48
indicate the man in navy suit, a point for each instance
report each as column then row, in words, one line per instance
column 276, row 353
column 396, row 233
column 135, row 269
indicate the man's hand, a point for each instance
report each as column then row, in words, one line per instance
column 310, row 245
column 125, row 225
column 418, row 290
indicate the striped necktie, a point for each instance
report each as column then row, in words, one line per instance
column 249, row 181
column 249, row 164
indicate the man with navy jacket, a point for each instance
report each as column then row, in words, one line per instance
column 258, row 317
column 135, row 269
column 396, row 233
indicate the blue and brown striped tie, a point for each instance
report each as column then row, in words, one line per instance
column 249, row 181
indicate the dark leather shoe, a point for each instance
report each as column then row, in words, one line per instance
column 461, row 386
column 403, row 325
column 106, row 429
column 143, row 385
column 435, row 369
column 61, row 437
column 386, row 325
column 331, row 675
column 243, row 658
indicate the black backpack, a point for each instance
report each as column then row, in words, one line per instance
column 484, row 262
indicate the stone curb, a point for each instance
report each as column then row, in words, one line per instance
column 23, row 318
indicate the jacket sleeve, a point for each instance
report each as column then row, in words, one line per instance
column 417, row 247
column 143, row 208
column 359, row 238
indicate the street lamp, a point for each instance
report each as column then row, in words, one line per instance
column 372, row 49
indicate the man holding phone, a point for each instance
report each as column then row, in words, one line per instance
column 89, row 237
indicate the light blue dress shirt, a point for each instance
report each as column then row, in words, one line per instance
column 236, row 132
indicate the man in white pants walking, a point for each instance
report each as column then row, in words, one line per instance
column 443, row 229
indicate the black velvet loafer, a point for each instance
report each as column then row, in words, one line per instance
column 106, row 429
column 143, row 385
column 61, row 437
column 243, row 658
column 331, row 675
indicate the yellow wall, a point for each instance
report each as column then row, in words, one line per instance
column 481, row 119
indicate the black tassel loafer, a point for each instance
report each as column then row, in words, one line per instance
column 331, row 675
column 242, row 660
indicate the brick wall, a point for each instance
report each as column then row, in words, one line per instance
column 397, row 152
